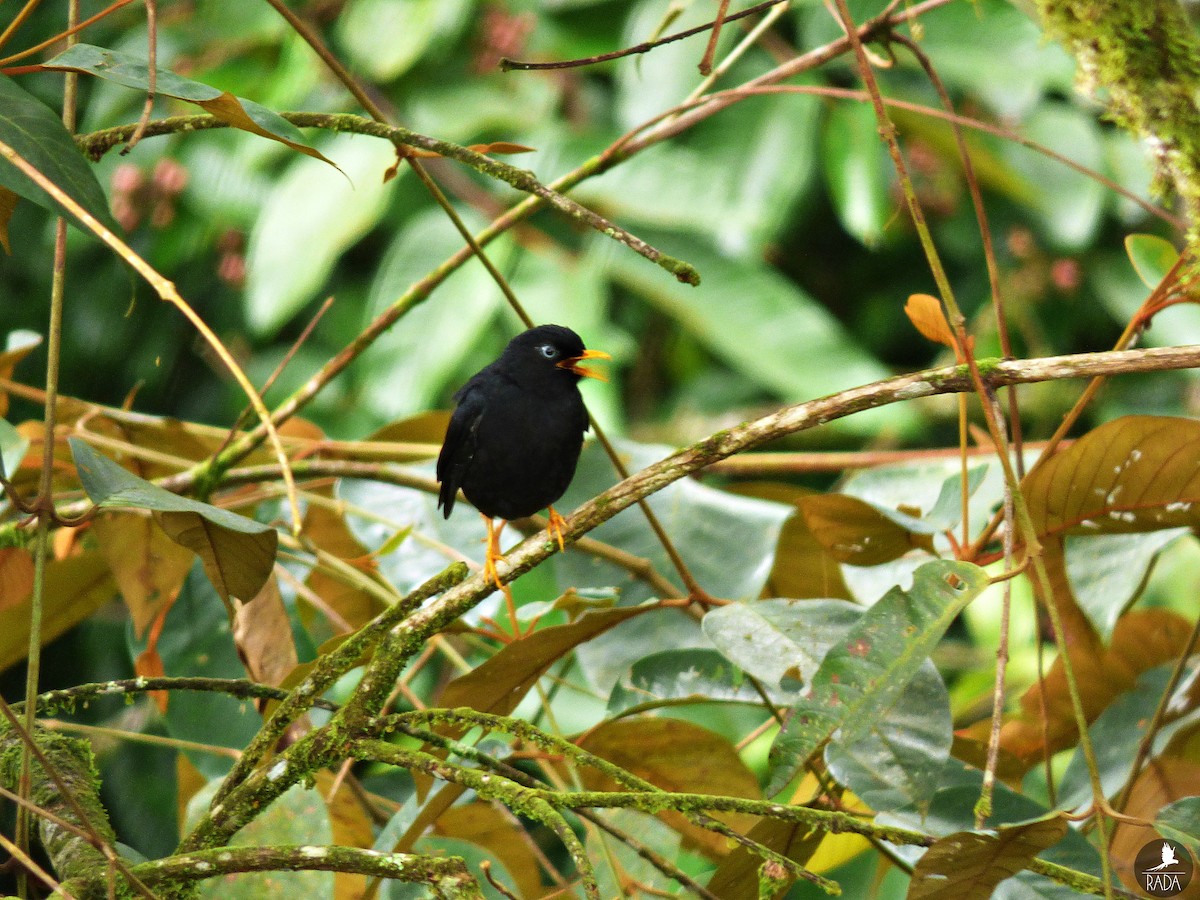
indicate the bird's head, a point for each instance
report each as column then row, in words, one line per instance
column 550, row 351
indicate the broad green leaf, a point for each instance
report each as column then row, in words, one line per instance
column 297, row 818
column 1108, row 570
column 1180, row 821
column 384, row 38
column 1152, row 257
column 632, row 867
column 895, row 765
column 310, row 217
column 1115, row 735
column 772, row 638
column 947, row 510
column 412, row 363
column 237, row 552
column 128, row 70
column 13, row 447
column 774, row 333
column 863, row 676
column 1068, row 204
column 679, row 677
column 969, row 865
column 1134, row 474
column 856, row 168
column 196, row 640
column 728, row 543
column 37, row 134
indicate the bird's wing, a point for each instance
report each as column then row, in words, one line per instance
column 459, row 446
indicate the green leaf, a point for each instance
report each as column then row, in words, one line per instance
column 1115, row 735
column 411, row 364
column 35, row 132
column 770, row 638
column 238, row 553
column 675, row 677
column 128, row 70
column 1108, row 570
column 384, row 38
column 1152, row 257
column 1180, row 821
column 856, row 170
column 1069, row 204
column 969, row 865
column 13, row 447
column 895, row 765
column 309, row 218
column 862, row 677
column 798, row 350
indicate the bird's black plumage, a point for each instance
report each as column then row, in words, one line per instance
column 515, row 435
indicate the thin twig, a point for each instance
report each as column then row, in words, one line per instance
column 151, row 74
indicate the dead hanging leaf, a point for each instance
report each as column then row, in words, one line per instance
column 676, row 756
column 352, row 606
column 927, row 316
column 20, row 345
column 1133, row 474
column 970, row 865
column 236, row 562
column 500, row 684
column 75, row 588
column 855, row 532
column 8, row 205
column 148, row 566
column 736, row 877
column 150, row 665
column 1164, row 780
column 262, row 633
column 16, row 576
column 351, row 827
column 486, row 826
column 1142, row 639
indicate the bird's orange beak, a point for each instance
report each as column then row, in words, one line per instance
column 573, row 364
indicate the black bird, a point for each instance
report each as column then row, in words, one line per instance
column 515, row 435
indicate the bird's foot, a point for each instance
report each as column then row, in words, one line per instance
column 493, row 554
column 556, row 526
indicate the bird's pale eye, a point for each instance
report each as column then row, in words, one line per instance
column 548, row 350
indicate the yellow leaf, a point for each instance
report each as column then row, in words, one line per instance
column 925, row 312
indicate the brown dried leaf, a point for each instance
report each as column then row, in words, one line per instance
column 228, row 108
column 675, row 756
column 263, row 635
column 150, row 665
column 1163, row 781
column 483, row 824
column 803, row 568
column 148, row 566
column 8, row 205
column 500, row 147
column 852, row 531
column 237, row 563
column 1142, row 639
column 75, row 588
column 16, row 575
column 1136, row 473
column 736, row 877
column 351, row 828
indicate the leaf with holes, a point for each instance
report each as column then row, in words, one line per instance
column 237, row 552
column 969, row 865
column 1136, row 473
column 863, row 676
column 128, row 70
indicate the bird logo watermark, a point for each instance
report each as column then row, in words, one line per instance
column 1163, row 868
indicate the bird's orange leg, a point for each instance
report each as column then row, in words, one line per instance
column 493, row 550
column 557, row 523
